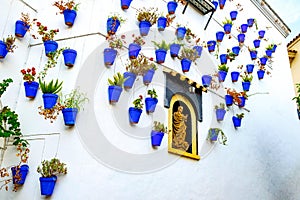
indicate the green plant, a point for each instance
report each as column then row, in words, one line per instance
column 148, row 14
column 10, row 43
column 240, row 116
column 160, row 127
column 75, row 99
column 138, row 40
column 220, row 106
column 230, row 55
column 223, row 68
column 52, row 167
column 51, row 87
column 116, row 16
column 188, row 53
column 152, row 93
column 162, row 45
column 45, row 33
column 4, row 84
column 118, row 79
column 216, row 131
column 227, row 21
column 69, row 5
column 115, row 42
column 138, row 103
column 297, row 98
column 140, row 65
column 247, row 77
column 270, row 46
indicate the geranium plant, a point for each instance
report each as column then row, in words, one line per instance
column 29, row 74
column 45, row 33
column 140, row 65
column 69, row 5
column 10, row 43
column 138, row 103
column 147, row 14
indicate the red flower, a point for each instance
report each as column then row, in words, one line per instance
column 28, row 70
column 45, row 28
column 141, row 97
column 123, row 36
column 57, row 30
column 33, row 69
column 33, row 73
column 151, row 59
column 38, row 24
column 23, row 71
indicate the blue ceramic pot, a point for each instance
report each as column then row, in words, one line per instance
column 220, row 36
column 172, row 5
column 228, row 100
column 148, row 76
column 263, row 61
column 31, row 89
column 244, row 28
column 69, row 57
column 156, row 138
column 114, row 93
column 246, row 86
column 134, row 50
column 215, row 4
column 211, row 45
column 174, row 50
column 222, row 75
column 269, row 53
column 236, row 50
column 69, row 16
column 160, row 55
column 125, row 4
column 227, row 28
column 70, row 115
column 150, row 104
column 161, row 23
column 109, row 56
column 249, row 68
column 22, row 174
column 185, row 64
column 250, row 22
column 223, row 59
column 144, row 27
column 213, row 135
column 220, row 113
column 47, row 185
column 236, row 121
column 180, row 33
column 253, row 55
column 50, row 46
column 128, row 83
column 3, row 49
column 21, row 28
column 242, row 101
column 233, row 15
column 241, row 38
column 134, row 115
column 235, row 76
column 198, row 50
column 49, row 100
column 261, row 34
column 206, row 80
column 260, row 74
column 256, row 43
column 274, row 48
column 222, row 3
column 112, row 26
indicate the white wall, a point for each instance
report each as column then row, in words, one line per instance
column 109, row 159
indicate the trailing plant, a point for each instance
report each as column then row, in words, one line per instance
column 188, row 53
column 51, row 113
column 232, row 92
column 220, row 106
column 138, row 103
column 45, row 33
column 115, row 42
column 223, row 67
column 160, row 127
column 240, row 116
column 26, row 19
column 52, row 167
column 219, row 132
column 69, row 5
column 152, row 93
column 118, row 79
column 28, row 74
column 138, row 40
column 10, row 43
column 51, row 87
column 74, row 99
column 116, row 16
column 140, row 65
column 230, row 55
column 147, row 14
column 4, row 84
column 162, row 45
column 297, row 98
column 246, row 77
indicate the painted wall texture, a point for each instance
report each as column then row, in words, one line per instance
column 293, row 49
column 109, row 159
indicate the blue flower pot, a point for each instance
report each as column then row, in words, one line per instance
column 260, row 74
column 213, row 135
column 134, row 50
column 114, row 93
column 198, row 50
column 112, row 26
column 215, row 4
column 211, row 45
column 222, row 3
column 228, row 100
column 47, row 185
column 185, row 64
column 148, row 76
column 274, row 48
column 220, row 113
column 223, row 59
column 236, row 121
column 242, row 101
column 250, row 22
column 160, row 55
column 69, row 57
column 125, row 4
column 220, row 36
column 263, row 60
column 206, row 80
column 269, row 53
column 134, row 115
column 21, row 28
column 109, row 56
column 172, row 5
column 227, row 28
column 241, row 38
column 249, row 68
column 150, row 104
column 174, row 50
column 256, row 43
column 236, row 50
column 128, row 83
column 22, row 173
column 180, row 33
column 144, row 28
column 246, row 86
column 69, row 16
column 261, row 34
column 222, row 75
column 50, row 46
column 49, row 100
column 31, row 89
column 69, row 115
column 253, row 55
column 235, row 76
column 3, row 49
column 244, row 28
column 161, row 23
column 233, row 15
column 156, row 138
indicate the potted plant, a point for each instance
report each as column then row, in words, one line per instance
column 135, row 47
column 161, row 51
column 232, row 96
column 220, row 111
column 115, row 87
column 71, row 104
column 110, row 53
column 244, row 28
column 23, row 25
column 133, row 68
column 220, row 36
column 31, row 86
column 215, row 134
column 157, row 133
column 235, row 76
column 256, row 43
column 249, row 68
column 69, row 56
column 269, row 50
column 251, row 22
column 223, row 59
column 174, row 48
column 7, row 45
column 261, row 34
column 136, row 111
column 162, row 22
column 180, row 32
column 149, row 69
column 113, row 22
column 223, row 69
column 227, row 25
column 47, row 38
column 233, row 15
column 222, row 3
column 247, row 78
column 263, row 60
column 187, row 56
column 50, row 91
column 297, row 99
column 237, row 119
column 125, row 4
column 211, row 45
column 243, row 97
column 236, row 50
column 147, row 17
column 253, row 53
column 151, row 101
column 68, row 9
column 261, row 72
column 206, row 80
column 172, row 5
column 241, row 38
column 49, row 170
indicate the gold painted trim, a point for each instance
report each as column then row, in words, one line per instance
column 193, row 155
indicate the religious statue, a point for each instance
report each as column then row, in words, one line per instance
column 179, row 130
